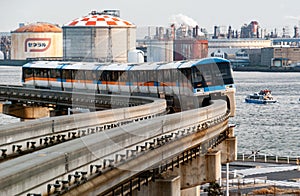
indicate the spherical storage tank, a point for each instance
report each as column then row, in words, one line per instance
column 37, row 40
column 102, row 37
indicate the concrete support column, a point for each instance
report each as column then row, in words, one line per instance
column 194, row 191
column 228, row 147
column 213, row 166
column 165, row 186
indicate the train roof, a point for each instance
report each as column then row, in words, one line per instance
column 124, row 66
column 42, row 64
column 80, row 65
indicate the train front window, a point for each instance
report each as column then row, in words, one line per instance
column 226, row 71
column 197, row 78
column 215, row 74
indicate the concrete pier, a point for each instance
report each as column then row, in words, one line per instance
column 164, row 186
column 24, row 112
column 186, row 179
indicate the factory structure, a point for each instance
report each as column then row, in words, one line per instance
column 252, row 46
column 174, row 44
column 105, row 37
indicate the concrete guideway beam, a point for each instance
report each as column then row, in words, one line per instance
column 73, row 158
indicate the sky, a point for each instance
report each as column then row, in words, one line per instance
column 270, row 14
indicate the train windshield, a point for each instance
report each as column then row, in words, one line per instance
column 215, row 74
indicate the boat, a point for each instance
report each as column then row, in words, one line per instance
column 262, row 97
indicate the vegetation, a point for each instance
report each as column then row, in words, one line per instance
column 275, row 191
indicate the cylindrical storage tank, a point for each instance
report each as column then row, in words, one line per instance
column 159, row 50
column 1, row 55
column 99, row 37
column 37, row 40
column 135, row 56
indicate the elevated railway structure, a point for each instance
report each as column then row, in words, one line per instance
column 121, row 159
column 29, row 103
column 21, row 138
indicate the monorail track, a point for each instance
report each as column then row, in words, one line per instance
column 49, row 131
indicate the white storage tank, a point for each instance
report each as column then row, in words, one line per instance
column 136, row 56
column 1, row 55
column 37, row 40
column 102, row 37
column 159, row 50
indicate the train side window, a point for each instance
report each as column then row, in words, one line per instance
column 160, row 76
column 142, row 76
column 54, row 73
column 185, row 77
column 66, row 74
column 123, row 76
column 90, row 75
column 133, row 77
column 167, row 75
column 102, row 76
column 79, row 75
column 111, row 76
column 28, row 73
column 41, row 73
column 151, row 76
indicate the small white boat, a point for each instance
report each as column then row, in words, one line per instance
column 263, row 97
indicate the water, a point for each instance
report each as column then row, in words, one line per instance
column 273, row 129
column 9, row 75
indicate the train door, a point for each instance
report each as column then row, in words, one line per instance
column 66, row 79
column 78, row 79
column 133, row 79
column 167, row 82
column 55, row 79
column 152, row 82
column 161, row 84
column 103, row 82
column 123, row 82
column 91, row 80
column 143, row 82
column 185, row 82
column 113, row 83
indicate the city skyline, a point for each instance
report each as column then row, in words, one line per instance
column 275, row 14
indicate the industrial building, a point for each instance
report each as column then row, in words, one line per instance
column 280, row 56
column 99, row 36
column 36, row 40
column 174, row 44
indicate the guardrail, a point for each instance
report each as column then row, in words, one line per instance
column 268, row 158
column 29, row 135
column 132, row 148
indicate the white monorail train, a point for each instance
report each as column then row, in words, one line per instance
column 185, row 84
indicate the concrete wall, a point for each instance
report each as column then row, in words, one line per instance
column 266, row 56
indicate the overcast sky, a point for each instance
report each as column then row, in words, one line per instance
column 270, row 14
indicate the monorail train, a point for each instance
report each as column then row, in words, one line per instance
column 184, row 84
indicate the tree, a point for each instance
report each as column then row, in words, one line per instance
column 213, row 189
